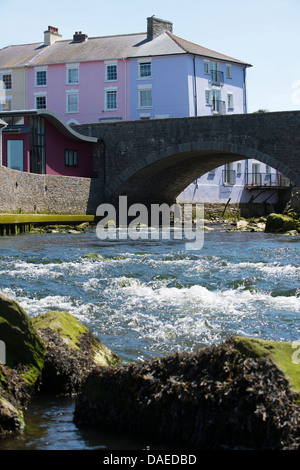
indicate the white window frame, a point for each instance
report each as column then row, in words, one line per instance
column 206, row 65
column 229, row 175
column 106, row 92
column 110, row 63
column 6, row 72
column 239, row 168
column 142, row 88
column 268, row 169
column 72, row 67
column 229, row 71
column 256, row 175
column 68, row 94
column 144, row 116
column 143, row 62
column 36, row 71
column 6, row 103
column 39, row 95
column 230, row 102
column 208, row 98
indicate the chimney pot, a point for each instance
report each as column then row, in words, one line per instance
column 79, row 37
column 51, row 36
column 157, row 26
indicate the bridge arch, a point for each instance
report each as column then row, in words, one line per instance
column 162, row 175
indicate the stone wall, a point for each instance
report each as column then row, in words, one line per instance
column 28, row 193
column 246, row 210
column 294, row 203
column 155, row 160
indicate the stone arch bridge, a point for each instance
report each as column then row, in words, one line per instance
column 153, row 161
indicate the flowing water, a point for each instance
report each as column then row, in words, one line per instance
column 145, row 298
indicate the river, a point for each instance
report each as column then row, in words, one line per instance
column 145, row 298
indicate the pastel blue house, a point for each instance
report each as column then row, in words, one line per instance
column 172, row 77
column 239, row 182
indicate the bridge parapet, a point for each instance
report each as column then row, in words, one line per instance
column 157, row 159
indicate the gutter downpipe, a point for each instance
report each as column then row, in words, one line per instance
column 25, row 87
column 195, row 85
column 245, row 94
column 125, row 85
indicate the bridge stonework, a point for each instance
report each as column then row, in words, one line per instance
column 154, row 160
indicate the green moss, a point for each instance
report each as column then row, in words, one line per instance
column 45, row 218
column 70, row 331
column 68, row 327
column 25, row 350
column 280, row 223
column 94, row 256
column 280, row 352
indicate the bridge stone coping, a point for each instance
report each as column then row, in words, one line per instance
column 144, row 157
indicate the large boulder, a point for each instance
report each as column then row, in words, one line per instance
column 24, row 352
column 72, row 352
column 13, row 398
column 230, row 395
column 280, row 223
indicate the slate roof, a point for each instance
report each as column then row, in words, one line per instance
column 102, row 48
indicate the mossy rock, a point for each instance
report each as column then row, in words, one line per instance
column 231, row 395
column 72, row 352
column 283, row 354
column 280, row 223
column 94, row 256
column 11, row 418
column 23, row 354
column 25, row 350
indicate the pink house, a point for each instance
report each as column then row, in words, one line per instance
column 81, row 80
column 38, row 141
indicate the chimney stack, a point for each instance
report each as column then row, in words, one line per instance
column 51, row 36
column 156, row 26
column 79, row 37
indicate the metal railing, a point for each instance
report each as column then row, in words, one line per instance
column 218, row 106
column 257, row 180
column 264, row 180
column 217, row 77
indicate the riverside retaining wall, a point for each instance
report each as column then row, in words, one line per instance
column 29, row 193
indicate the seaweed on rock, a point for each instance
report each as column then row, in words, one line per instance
column 213, row 398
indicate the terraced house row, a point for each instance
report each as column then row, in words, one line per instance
column 133, row 76
column 152, row 75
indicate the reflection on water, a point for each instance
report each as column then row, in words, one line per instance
column 49, row 426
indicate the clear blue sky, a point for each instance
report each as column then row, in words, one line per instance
column 264, row 33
